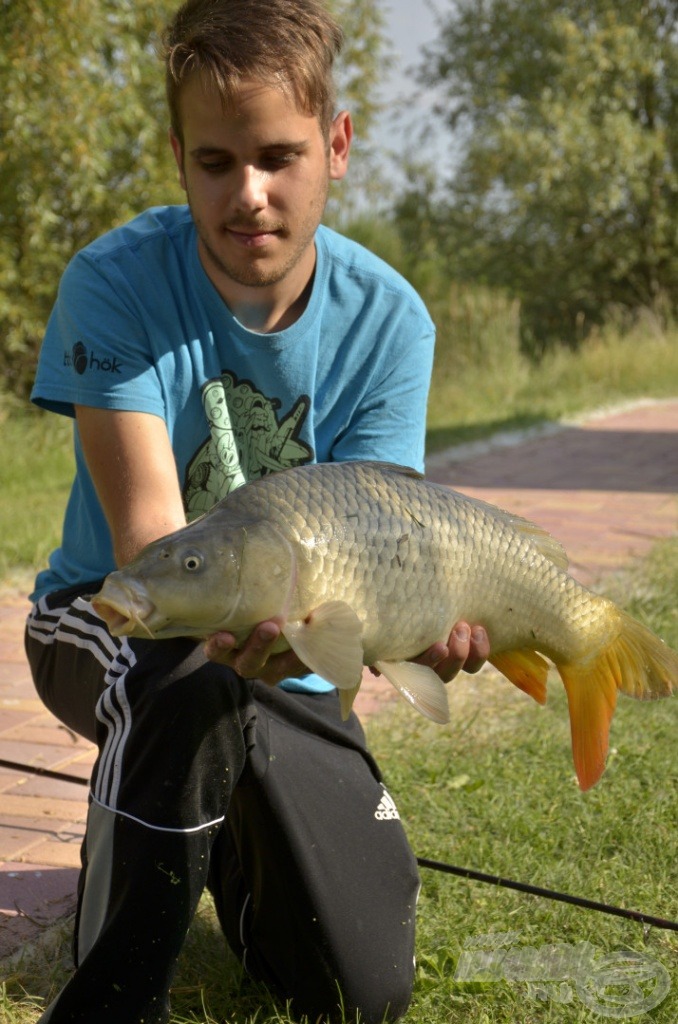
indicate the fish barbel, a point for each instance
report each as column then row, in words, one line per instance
column 369, row 564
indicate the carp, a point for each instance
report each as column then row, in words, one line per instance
column 369, row 564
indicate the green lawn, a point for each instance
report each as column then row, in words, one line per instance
column 36, row 469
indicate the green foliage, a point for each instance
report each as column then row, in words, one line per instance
column 84, row 140
column 84, row 147
column 566, row 193
column 483, row 379
column 362, row 61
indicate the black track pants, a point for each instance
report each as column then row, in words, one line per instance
column 202, row 778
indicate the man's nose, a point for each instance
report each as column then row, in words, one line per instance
column 252, row 193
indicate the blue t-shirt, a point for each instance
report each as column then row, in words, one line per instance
column 138, row 325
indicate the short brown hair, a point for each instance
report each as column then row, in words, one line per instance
column 290, row 44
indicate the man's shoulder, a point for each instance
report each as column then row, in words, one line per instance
column 156, row 227
column 358, row 264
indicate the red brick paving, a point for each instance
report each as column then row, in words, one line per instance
column 606, row 488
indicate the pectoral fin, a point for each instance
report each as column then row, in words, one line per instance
column 329, row 642
column 420, row 686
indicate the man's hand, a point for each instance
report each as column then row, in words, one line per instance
column 467, row 648
column 254, row 659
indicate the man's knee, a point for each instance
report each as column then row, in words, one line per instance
column 172, row 734
column 373, row 997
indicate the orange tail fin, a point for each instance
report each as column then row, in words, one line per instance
column 635, row 662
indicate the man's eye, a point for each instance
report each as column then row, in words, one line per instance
column 214, row 168
column 277, row 162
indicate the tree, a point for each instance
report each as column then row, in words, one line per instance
column 84, row 140
column 567, row 192
column 84, row 147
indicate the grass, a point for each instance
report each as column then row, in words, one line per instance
column 495, row 791
column 35, row 476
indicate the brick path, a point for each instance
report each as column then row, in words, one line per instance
column 606, row 488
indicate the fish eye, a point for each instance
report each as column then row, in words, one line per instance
column 193, row 562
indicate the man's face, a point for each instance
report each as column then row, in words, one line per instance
column 256, row 176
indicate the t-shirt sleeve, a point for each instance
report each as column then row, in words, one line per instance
column 96, row 349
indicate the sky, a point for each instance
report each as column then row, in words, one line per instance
column 410, row 25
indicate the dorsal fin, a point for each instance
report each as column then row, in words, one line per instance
column 547, row 545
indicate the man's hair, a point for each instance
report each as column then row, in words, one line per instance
column 288, row 44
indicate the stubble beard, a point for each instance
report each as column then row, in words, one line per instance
column 259, row 272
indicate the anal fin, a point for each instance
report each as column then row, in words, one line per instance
column 525, row 669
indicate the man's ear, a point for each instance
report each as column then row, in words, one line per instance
column 178, row 151
column 341, row 134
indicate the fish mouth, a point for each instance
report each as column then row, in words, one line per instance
column 124, row 612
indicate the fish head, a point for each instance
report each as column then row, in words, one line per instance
column 185, row 584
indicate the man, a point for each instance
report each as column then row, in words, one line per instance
column 196, row 347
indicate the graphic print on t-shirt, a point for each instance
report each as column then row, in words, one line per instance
column 247, row 440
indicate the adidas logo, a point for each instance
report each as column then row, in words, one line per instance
column 387, row 810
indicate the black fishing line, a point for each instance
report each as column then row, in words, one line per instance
column 550, row 894
column 48, row 773
column 433, row 865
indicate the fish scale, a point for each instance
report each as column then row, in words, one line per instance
column 366, row 563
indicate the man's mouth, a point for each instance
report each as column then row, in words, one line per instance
column 252, row 237
column 251, row 241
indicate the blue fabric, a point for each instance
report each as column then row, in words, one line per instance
column 139, row 326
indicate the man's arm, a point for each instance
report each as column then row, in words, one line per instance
column 132, row 465
column 130, row 459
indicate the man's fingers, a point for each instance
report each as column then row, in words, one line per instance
column 248, row 660
column 219, row 647
column 254, row 659
column 479, row 650
column 467, row 648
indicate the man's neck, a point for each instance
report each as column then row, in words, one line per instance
column 270, row 316
column 265, row 309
